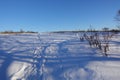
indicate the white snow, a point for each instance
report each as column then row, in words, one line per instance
column 56, row 56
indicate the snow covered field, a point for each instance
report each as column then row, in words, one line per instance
column 56, row 56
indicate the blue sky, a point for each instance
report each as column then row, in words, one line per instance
column 55, row 15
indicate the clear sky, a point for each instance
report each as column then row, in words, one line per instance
column 52, row 15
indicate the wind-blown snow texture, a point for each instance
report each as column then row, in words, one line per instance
column 56, row 56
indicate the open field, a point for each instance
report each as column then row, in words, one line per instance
column 57, row 56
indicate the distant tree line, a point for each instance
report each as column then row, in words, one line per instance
column 105, row 29
column 14, row 32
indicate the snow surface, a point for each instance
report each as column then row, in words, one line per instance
column 56, row 56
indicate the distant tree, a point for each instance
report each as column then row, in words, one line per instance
column 21, row 31
column 117, row 17
column 118, row 27
column 105, row 29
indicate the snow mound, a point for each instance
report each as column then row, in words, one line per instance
column 78, row 74
column 52, row 49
